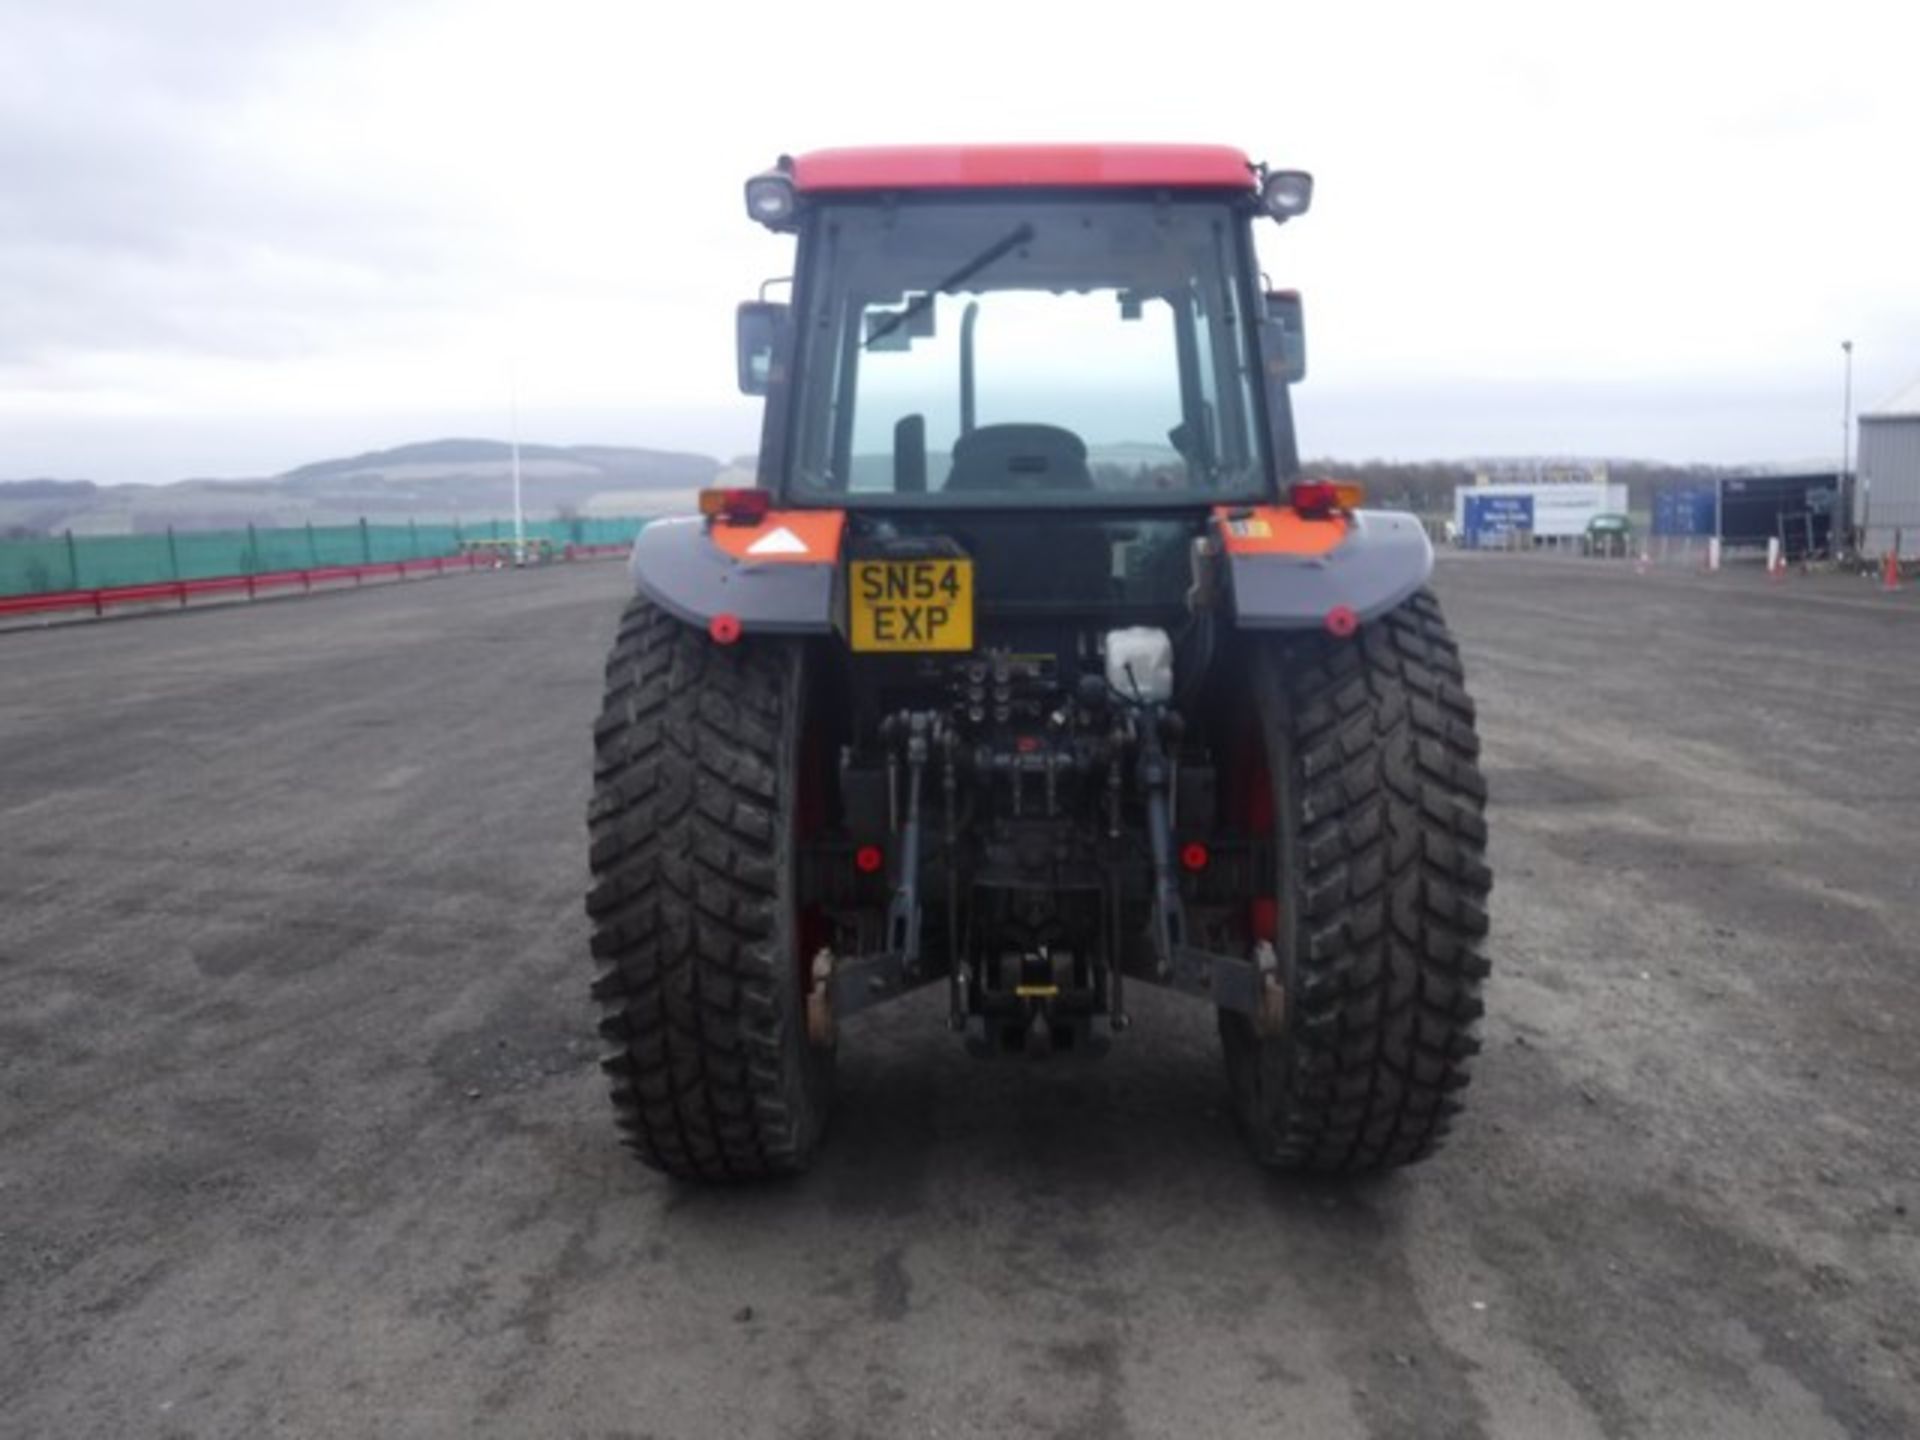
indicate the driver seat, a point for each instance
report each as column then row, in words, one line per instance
column 1019, row 459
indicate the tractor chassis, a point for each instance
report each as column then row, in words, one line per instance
column 924, row 750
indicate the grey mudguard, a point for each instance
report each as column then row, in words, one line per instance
column 676, row 565
column 1385, row 557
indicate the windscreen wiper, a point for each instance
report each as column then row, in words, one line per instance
column 920, row 303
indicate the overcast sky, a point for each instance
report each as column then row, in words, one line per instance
column 237, row 236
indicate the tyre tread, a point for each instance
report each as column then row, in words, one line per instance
column 688, row 837
column 1392, row 893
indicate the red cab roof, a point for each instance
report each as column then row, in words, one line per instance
column 956, row 167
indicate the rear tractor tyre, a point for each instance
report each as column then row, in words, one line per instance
column 1368, row 751
column 696, row 930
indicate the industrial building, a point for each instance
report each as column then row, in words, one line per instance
column 1889, row 471
column 1550, row 509
column 1751, row 512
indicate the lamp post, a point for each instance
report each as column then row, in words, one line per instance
column 519, row 511
column 1846, row 446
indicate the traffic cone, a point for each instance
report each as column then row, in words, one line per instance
column 1889, row 573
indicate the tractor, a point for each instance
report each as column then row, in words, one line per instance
column 1031, row 671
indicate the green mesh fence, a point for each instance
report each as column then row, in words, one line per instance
column 93, row 562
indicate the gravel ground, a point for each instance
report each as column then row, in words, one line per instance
column 301, row 1133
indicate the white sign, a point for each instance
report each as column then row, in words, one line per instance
column 1560, row 510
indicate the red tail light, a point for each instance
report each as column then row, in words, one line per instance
column 1317, row 499
column 868, row 859
column 1194, row 855
column 736, row 506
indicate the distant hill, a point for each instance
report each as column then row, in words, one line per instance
column 431, row 480
column 49, row 489
column 472, row 479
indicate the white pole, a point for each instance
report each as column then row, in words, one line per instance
column 519, row 513
column 1846, row 455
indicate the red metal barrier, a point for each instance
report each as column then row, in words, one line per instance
column 181, row 591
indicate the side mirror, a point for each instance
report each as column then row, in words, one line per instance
column 888, row 330
column 1283, row 337
column 758, row 326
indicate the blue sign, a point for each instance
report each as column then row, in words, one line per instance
column 1494, row 517
column 1687, row 511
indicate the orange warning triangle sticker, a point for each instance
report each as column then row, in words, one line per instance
column 778, row 542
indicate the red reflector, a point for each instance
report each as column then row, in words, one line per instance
column 868, row 859
column 1194, row 855
column 724, row 629
column 1342, row 622
column 743, row 505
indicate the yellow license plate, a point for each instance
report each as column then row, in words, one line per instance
column 910, row 604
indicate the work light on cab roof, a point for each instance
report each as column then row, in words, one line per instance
column 1030, row 667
